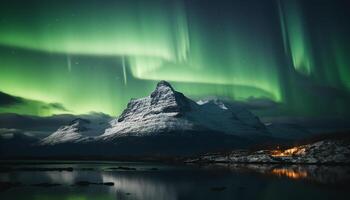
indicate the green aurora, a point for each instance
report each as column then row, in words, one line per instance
column 97, row 55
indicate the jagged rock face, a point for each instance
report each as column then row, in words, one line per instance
column 164, row 99
column 158, row 113
column 167, row 110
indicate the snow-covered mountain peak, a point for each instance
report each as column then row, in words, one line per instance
column 77, row 130
column 79, row 121
column 164, row 85
column 236, row 111
column 216, row 102
column 79, row 124
column 158, row 113
column 164, row 99
column 170, row 100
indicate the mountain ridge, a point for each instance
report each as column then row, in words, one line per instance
column 164, row 123
column 167, row 110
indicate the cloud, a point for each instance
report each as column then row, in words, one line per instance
column 321, row 124
column 56, row 106
column 8, row 132
column 9, row 100
column 253, row 103
column 15, row 104
column 42, row 126
column 321, row 90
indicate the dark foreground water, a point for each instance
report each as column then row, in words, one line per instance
column 149, row 181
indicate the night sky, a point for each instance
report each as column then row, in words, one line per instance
column 91, row 55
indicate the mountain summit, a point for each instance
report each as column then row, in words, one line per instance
column 161, row 112
column 169, row 100
column 164, row 99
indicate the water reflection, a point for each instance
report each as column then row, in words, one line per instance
column 290, row 173
column 62, row 177
column 318, row 173
column 139, row 187
column 237, row 181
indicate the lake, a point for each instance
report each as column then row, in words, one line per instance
column 157, row 181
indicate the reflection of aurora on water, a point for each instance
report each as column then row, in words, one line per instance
column 96, row 56
column 140, row 188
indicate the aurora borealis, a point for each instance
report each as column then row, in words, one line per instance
column 81, row 56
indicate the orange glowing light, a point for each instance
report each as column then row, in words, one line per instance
column 290, row 173
column 288, row 152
